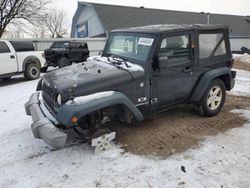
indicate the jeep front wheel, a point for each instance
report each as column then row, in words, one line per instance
column 63, row 62
column 214, row 98
column 32, row 72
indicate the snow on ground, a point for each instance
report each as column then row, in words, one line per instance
column 220, row 161
column 242, row 83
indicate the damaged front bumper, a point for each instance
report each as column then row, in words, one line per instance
column 43, row 126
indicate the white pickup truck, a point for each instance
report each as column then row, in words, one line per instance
column 20, row 58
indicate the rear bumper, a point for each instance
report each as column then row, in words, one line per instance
column 232, row 84
column 43, row 126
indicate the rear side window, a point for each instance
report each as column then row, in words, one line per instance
column 81, row 45
column 212, row 44
column 22, row 46
column 4, row 48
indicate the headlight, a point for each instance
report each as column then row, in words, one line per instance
column 59, row 99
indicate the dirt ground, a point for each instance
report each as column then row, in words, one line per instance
column 181, row 128
column 241, row 65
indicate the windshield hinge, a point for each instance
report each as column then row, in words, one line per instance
column 154, row 100
column 71, row 94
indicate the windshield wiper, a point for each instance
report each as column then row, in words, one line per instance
column 120, row 60
column 116, row 60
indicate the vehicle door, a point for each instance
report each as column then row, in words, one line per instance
column 172, row 76
column 75, row 52
column 8, row 62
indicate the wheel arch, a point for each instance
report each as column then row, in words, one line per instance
column 222, row 73
column 30, row 59
column 92, row 104
column 59, row 56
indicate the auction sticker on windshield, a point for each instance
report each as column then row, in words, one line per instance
column 145, row 41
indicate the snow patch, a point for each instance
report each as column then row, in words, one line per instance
column 91, row 97
column 242, row 84
column 131, row 66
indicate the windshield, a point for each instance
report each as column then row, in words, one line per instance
column 60, row 45
column 126, row 45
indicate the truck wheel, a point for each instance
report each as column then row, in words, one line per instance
column 213, row 99
column 32, row 72
column 63, row 62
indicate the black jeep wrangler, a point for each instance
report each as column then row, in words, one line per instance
column 64, row 53
column 141, row 71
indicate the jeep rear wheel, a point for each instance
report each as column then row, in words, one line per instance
column 63, row 62
column 32, row 72
column 214, row 98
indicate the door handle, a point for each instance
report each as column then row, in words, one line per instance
column 12, row 57
column 187, row 70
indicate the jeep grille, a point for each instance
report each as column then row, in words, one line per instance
column 49, row 96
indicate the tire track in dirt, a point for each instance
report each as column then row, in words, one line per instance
column 241, row 65
column 179, row 129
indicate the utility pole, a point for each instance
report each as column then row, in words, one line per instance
column 208, row 18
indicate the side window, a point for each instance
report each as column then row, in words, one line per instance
column 174, row 47
column 211, row 44
column 4, row 48
column 79, row 45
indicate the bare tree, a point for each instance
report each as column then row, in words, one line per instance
column 53, row 24
column 14, row 32
column 16, row 11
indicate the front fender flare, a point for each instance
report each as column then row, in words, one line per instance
column 82, row 106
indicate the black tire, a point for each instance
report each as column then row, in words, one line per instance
column 32, row 72
column 213, row 99
column 6, row 78
column 63, row 62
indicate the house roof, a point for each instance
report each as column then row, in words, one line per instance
column 115, row 17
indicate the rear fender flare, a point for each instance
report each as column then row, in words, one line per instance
column 94, row 102
column 206, row 79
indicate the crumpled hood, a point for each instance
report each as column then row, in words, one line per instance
column 92, row 76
